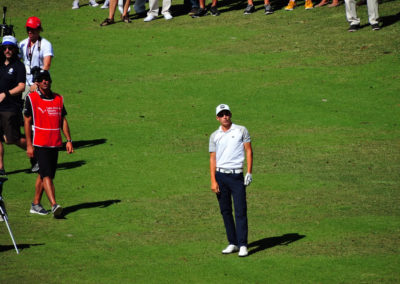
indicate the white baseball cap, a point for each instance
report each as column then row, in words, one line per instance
column 9, row 40
column 222, row 107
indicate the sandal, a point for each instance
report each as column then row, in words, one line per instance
column 126, row 19
column 107, row 22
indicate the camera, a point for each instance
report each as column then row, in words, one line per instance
column 4, row 28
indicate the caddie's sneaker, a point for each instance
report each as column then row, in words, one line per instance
column 375, row 27
column 268, row 9
column 243, row 251
column 38, row 209
column 290, row 5
column 35, row 168
column 214, row 11
column 75, row 4
column 249, row 10
column 354, row 28
column 200, row 13
column 167, row 16
column 309, row 5
column 230, row 249
column 56, row 210
column 93, row 3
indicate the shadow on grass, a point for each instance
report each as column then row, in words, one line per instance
column 267, row 243
column 88, row 205
column 85, row 143
column 389, row 20
column 20, row 247
column 60, row 166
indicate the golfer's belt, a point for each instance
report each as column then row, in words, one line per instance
column 230, row 171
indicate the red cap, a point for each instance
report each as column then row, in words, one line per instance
column 33, row 23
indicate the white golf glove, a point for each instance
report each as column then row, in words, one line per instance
column 248, row 179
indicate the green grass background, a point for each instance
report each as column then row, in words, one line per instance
column 321, row 104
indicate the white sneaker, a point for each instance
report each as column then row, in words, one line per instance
column 105, row 5
column 167, row 16
column 93, row 3
column 75, row 4
column 230, row 249
column 243, row 251
column 149, row 18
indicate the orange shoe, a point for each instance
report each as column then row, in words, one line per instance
column 309, row 5
column 290, row 5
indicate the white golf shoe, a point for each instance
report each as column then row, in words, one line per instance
column 93, row 3
column 167, row 16
column 149, row 18
column 75, row 5
column 230, row 249
column 243, row 251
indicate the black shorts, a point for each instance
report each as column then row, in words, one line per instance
column 10, row 124
column 47, row 159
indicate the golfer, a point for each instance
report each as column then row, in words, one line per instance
column 44, row 110
column 228, row 146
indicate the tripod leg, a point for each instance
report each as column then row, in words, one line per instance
column 4, row 215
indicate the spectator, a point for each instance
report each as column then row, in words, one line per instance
column 12, row 84
column 36, row 52
column 250, row 9
column 75, row 4
column 152, row 14
column 203, row 11
column 351, row 15
column 111, row 12
column 292, row 4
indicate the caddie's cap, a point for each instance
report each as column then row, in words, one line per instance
column 222, row 107
column 9, row 40
column 42, row 74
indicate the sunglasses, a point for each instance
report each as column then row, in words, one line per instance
column 9, row 47
column 31, row 30
column 223, row 113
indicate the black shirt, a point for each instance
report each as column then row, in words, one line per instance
column 10, row 76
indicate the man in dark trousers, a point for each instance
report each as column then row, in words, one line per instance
column 229, row 146
column 12, row 84
column 44, row 110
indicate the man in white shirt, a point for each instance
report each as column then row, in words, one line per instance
column 36, row 52
column 229, row 145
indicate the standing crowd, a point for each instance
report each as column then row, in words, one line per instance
column 199, row 9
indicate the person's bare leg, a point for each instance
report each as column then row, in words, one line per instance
column 50, row 190
column 38, row 190
column 322, row 3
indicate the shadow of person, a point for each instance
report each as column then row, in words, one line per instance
column 389, row 20
column 60, row 166
column 87, row 205
column 20, row 247
column 267, row 243
column 85, row 143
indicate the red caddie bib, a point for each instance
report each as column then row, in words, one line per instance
column 47, row 120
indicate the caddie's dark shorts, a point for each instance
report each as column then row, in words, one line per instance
column 47, row 159
column 10, row 123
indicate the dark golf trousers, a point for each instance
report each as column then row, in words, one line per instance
column 231, row 186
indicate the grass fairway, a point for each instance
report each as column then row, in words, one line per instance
column 321, row 104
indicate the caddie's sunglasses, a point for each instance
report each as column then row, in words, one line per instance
column 224, row 112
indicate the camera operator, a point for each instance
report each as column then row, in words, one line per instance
column 36, row 51
column 12, row 84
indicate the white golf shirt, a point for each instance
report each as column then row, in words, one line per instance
column 38, row 51
column 228, row 146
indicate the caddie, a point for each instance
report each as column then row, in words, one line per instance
column 44, row 111
column 229, row 146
